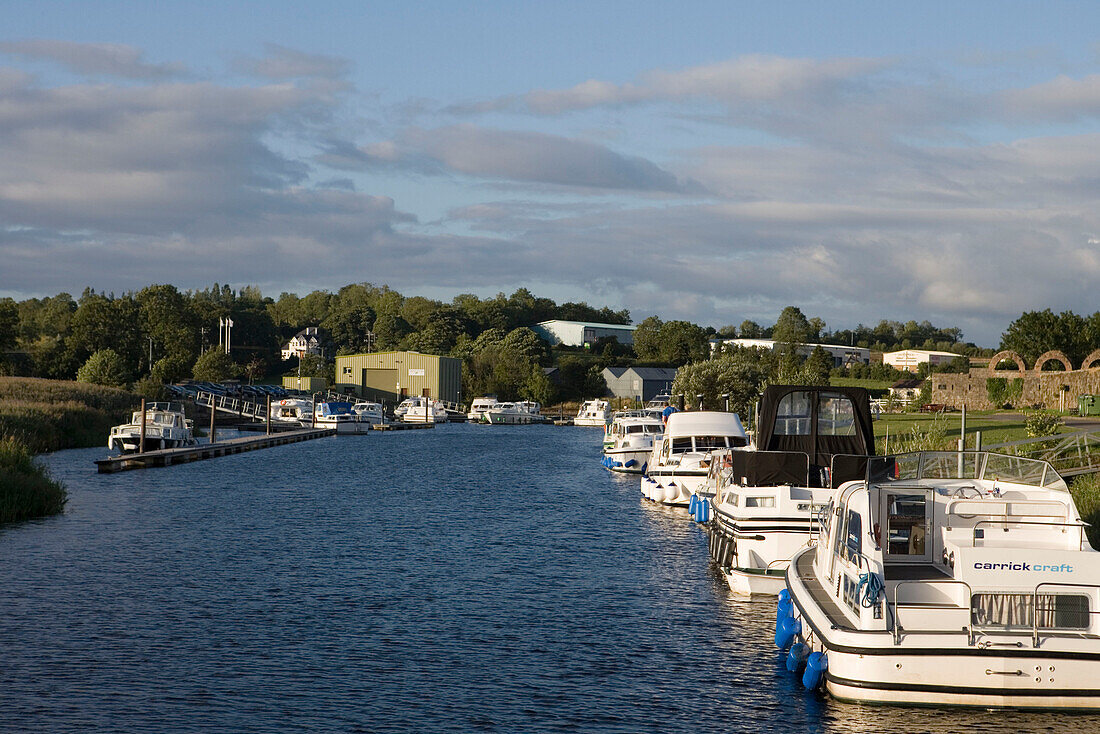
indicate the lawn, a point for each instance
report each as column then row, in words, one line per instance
column 995, row 426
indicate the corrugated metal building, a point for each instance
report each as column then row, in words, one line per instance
column 580, row 333
column 634, row 382
column 390, row 376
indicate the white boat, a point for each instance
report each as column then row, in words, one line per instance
column 295, row 411
column 659, row 402
column 631, row 442
column 524, row 412
column 166, row 427
column 424, row 410
column 338, row 414
column 760, row 505
column 478, row 408
column 949, row 579
column 369, row 412
column 593, row 413
column 678, row 463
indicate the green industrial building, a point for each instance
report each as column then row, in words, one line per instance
column 391, row 376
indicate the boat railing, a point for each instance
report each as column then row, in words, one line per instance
column 963, row 465
column 898, row 606
column 1048, row 631
column 1004, row 522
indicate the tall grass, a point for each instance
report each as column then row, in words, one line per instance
column 46, row 415
column 1086, row 495
column 26, row 488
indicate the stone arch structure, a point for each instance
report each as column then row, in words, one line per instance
column 1089, row 360
column 1007, row 354
column 1053, row 354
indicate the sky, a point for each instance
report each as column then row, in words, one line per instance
column 710, row 161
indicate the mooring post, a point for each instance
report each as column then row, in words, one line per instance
column 141, row 439
column 213, row 412
column 269, row 415
column 726, row 402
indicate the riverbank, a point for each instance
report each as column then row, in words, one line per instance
column 37, row 416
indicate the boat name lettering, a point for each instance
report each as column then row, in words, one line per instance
column 1065, row 567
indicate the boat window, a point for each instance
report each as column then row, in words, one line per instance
column 836, row 415
column 680, row 445
column 1056, row 611
column 792, row 416
column 906, row 528
column 854, row 538
column 851, row 593
column 708, row 443
column 760, row 502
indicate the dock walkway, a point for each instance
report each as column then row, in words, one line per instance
column 168, row 457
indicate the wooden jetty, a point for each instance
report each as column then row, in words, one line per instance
column 400, row 426
column 168, row 457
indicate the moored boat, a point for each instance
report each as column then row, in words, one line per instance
column 949, row 578
column 629, row 442
column 292, row 411
column 678, row 464
column 763, row 503
column 593, row 413
column 338, row 414
column 369, row 412
column 166, row 427
column 524, row 412
column 424, row 410
column 479, row 406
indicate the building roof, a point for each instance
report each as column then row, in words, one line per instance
column 910, row 384
column 594, row 324
column 928, row 352
column 645, row 373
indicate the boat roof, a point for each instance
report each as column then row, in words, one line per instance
column 633, row 420
column 704, row 423
column 820, row 446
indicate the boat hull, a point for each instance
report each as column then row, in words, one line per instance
column 626, row 462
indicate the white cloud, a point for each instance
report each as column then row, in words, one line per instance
column 94, row 59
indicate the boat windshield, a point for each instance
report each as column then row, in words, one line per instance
column 977, row 465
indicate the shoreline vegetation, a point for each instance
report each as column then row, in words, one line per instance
column 38, row 416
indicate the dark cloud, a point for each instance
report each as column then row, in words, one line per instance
column 92, row 59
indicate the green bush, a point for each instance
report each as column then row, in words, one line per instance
column 26, row 488
column 105, row 367
column 1043, row 423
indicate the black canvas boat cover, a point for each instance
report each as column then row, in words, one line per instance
column 819, row 421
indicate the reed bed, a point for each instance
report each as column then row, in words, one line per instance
column 37, row 416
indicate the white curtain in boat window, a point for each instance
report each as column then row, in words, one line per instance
column 1055, row 611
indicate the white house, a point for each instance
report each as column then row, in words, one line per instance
column 581, row 333
column 911, row 359
column 309, row 340
column 842, row 356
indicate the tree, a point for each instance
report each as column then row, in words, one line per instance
column 9, row 323
column 741, row 373
column 750, row 330
column 214, row 366
column 1036, row 332
column 683, row 342
column 105, row 367
column 816, row 369
column 647, row 339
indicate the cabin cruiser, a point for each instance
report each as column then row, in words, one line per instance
column 809, row 441
column 369, row 412
column 295, row 411
column 593, row 413
column 523, row 412
column 338, row 414
column 166, row 427
column 949, row 578
column 679, row 462
column 424, row 410
column 631, row 442
column 479, row 406
column 659, row 402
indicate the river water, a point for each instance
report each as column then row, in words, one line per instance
column 466, row 578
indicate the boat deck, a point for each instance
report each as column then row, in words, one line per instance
column 825, row 602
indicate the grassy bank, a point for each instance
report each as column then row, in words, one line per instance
column 1086, row 495
column 46, row 415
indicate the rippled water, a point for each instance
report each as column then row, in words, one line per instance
column 467, row 578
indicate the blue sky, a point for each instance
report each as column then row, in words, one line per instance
column 710, row 161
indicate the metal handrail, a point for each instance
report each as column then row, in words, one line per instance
column 1064, row 506
column 897, row 621
column 1079, row 525
column 1035, row 604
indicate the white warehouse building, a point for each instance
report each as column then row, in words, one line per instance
column 842, row 356
column 581, row 333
